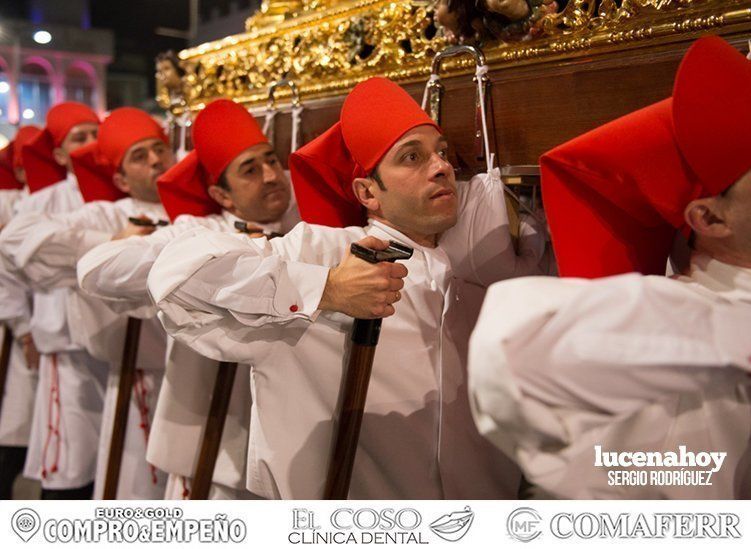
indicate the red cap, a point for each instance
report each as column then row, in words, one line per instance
column 10, row 157
column 375, row 115
column 96, row 163
column 41, row 168
column 221, row 131
column 615, row 196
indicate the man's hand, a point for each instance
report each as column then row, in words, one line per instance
column 361, row 289
column 134, row 230
column 30, row 352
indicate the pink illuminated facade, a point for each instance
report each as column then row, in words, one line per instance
column 33, row 77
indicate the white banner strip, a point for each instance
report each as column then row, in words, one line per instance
column 475, row 524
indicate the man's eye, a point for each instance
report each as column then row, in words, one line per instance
column 410, row 157
column 443, row 153
column 272, row 161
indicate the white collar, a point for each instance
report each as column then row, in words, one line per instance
column 154, row 210
column 727, row 281
column 394, row 234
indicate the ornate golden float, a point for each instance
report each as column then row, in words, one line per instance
column 589, row 63
column 327, row 46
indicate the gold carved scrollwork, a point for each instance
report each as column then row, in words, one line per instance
column 327, row 46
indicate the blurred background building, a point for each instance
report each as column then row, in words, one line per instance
column 98, row 52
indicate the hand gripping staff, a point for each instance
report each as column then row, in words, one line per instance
column 364, row 338
column 124, row 392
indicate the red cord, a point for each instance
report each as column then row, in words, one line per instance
column 140, row 393
column 53, row 427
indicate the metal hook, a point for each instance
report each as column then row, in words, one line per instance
column 434, row 89
column 283, row 83
column 453, row 51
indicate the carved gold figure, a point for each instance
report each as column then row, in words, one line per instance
column 327, row 46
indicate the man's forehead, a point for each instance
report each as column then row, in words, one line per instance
column 83, row 128
column 143, row 144
column 255, row 152
column 425, row 134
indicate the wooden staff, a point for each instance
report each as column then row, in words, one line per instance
column 364, row 338
column 212, row 436
column 124, row 392
column 5, row 361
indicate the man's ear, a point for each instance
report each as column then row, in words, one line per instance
column 119, row 180
column 362, row 186
column 60, row 156
column 221, row 197
column 705, row 217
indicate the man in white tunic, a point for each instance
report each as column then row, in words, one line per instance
column 15, row 313
column 75, row 395
column 635, row 386
column 117, row 177
column 12, row 173
column 232, row 176
column 285, row 306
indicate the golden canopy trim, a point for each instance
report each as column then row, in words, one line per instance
column 327, row 46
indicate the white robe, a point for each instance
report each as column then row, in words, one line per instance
column 116, row 272
column 15, row 312
column 46, row 248
column 20, row 384
column 81, row 377
column 630, row 363
column 255, row 301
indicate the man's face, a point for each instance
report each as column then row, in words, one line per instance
column 737, row 213
column 142, row 164
column 20, row 174
column 258, row 188
column 78, row 136
column 418, row 194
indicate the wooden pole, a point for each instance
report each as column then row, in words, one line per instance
column 355, row 393
column 124, row 394
column 5, row 361
column 212, row 435
column 364, row 338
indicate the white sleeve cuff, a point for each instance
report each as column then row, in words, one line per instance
column 300, row 290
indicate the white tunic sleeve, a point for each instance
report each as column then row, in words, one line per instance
column 214, row 288
column 545, row 347
column 15, row 304
column 480, row 246
column 46, row 247
column 116, row 271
